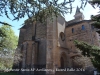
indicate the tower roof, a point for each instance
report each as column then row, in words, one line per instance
column 77, row 10
column 78, row 15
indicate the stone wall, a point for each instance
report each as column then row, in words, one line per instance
column 86, row 35
column 54, row 43
column 49, row 47
column 61, row 29
column 41, row 30
column 34, row 54
column 21, row 37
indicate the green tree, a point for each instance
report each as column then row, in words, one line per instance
column 10, row 39
column 91, row 51
column 21, row 8
column 96, row 23
column 8, row 44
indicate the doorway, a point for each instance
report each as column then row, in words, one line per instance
column 63, row 60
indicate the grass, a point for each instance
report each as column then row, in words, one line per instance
column 8, row 73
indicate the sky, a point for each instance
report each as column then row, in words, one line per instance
column 88, row 11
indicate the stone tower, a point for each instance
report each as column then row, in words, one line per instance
column 79, row 15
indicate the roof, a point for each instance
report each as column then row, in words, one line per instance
column 23, row 27
column 77, row 10
column 75, row 23
column 26, row 24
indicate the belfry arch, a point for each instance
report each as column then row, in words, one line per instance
column 63, row 60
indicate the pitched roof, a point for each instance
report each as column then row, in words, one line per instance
column 23, row 27
column 75, row 23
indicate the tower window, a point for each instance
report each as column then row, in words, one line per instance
column 83, row 27
column 72, row 30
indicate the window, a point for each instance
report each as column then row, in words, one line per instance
column 83, row 27
column 92, row 27
column 72, row 30
column 62, row 35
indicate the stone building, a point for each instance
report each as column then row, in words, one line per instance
column 50, row 45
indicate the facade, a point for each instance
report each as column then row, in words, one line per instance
column 50, row 45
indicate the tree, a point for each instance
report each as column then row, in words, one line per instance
column 8, row 44
column 91, row 51
column 95, row 3
column 96, row 23
column 20, row 8
column 10, row 39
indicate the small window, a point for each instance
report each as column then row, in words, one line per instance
column 92, row 27
column 72, row 30
column 83, row 27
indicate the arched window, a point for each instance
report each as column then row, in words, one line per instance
column 83, row 27
column 72, row 30
column 62, row 35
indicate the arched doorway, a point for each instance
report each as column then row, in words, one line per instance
column 63, row 60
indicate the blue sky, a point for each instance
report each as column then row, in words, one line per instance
column 88, row 11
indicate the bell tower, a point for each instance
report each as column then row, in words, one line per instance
column 79, row 15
